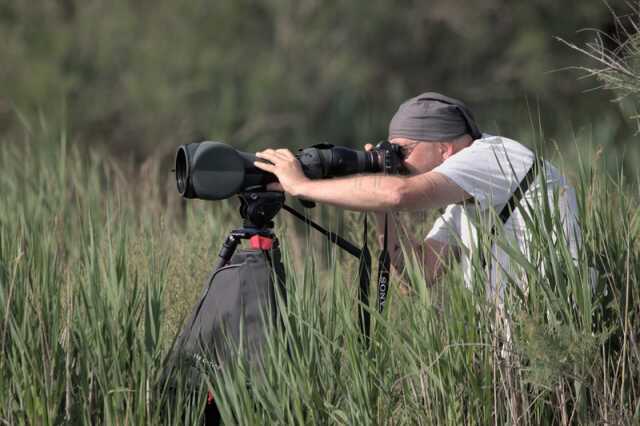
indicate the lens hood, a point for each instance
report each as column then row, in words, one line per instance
column 209, row 170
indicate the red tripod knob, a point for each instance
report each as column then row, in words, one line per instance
column 260, row 242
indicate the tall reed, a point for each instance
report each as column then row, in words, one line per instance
column 97, row 273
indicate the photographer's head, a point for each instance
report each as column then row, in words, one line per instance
column 431, row 127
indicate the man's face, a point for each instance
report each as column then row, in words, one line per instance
column 420, row 156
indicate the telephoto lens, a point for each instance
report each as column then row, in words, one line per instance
column 215, row 171
column 326, row 161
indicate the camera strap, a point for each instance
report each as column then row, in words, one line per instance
column 384, row 263
column 364, row 269
column 364, row 276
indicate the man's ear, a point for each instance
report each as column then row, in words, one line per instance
column 446, row 150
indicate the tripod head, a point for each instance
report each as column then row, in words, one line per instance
column 258, row 208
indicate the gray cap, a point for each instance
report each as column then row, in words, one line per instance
column 433, row 117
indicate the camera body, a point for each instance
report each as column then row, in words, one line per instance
column 391, row 158
column 215, row 171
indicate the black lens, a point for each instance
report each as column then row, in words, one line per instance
column 325, row 161
column 215, row 171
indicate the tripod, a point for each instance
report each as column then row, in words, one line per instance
column 258, row 208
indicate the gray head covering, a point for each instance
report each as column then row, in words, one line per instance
column 433, row 117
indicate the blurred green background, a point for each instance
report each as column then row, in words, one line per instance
column 143, row 76
column 100, row 260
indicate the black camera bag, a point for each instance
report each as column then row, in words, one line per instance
column 239, row 299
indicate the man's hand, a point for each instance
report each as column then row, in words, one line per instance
column 286, row 168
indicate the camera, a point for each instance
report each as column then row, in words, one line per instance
column 215, row 171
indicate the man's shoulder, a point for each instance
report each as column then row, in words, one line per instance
column 492, row 141
column 489, row 169
column 490, row 151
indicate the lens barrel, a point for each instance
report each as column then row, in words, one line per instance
column 215, row 171
column 325, row 161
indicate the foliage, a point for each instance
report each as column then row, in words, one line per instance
column 145, row 76
column 96, row 276
column 98, row 265
column 617, row 58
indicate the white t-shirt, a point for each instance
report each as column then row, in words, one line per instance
column 490, row 170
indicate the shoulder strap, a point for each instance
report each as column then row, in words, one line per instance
column 517, row 195
column 506, row 211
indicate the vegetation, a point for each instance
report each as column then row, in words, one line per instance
column 142, row 77
column 96, row 278
column 100, row 261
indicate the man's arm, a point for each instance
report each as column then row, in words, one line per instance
column 383, row 192
column 365, row 192
column 435, row 257
column 433, row 254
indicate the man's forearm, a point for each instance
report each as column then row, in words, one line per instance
column 380, row 192
column 363, row 192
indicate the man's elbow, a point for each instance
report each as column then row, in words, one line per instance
column 394, row 198
column 417, row 193
column 401, row 196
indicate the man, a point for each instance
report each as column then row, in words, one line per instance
column 451, row 165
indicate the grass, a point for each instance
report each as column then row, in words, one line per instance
column 98, row 267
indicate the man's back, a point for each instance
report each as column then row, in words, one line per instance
column 490, row 170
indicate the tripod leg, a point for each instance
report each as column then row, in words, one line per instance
column 227, row 250
column 211, row 413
